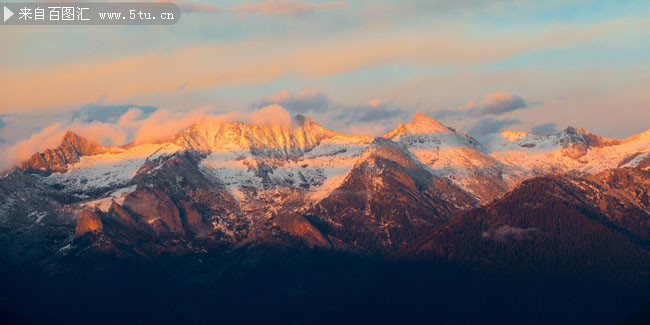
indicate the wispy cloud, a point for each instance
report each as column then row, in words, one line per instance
column 490, row 125
column 494, row 104
column 136, row 124
column 545, row 128
column 497, row 104
column 286, row 7
column 188, row 6
column 307, row 100
column 182, row 86
column 291, row 8
column 372, row 118
column 507, row 232
column 263, row 60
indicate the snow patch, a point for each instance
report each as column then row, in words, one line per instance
column 39, row 215
column 104, row 204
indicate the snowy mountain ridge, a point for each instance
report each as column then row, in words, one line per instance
column 314, row 160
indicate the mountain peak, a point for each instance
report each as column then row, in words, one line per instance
column 303, row 134
column 70, row 150
column 421, row 124
column 70, row 135
column 427, row 124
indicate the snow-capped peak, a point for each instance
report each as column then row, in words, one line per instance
column 421, row 124
column 216, row 136
column 567, row 138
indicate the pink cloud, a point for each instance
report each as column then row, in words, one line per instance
column 195, row 6
column 286, row 7
column 165, row 124
column 49, row 137
column 270, row 115
column 162, row 124
column 497, row 103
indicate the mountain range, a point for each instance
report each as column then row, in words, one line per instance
column 571, row 205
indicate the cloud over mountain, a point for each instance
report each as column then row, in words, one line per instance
column 137, row 124
column 371, row 118
column 490, row 125
column 545, row 128
column 497, row 103
column 307, row 100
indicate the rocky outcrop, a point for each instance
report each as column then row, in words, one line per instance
column 192, row 219
column 301, row 228
column 154, row 208
column 88, row 221
column 71, row 149
column 123, row 217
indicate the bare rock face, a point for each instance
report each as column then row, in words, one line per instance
column 192, row 218
column 645, row 163
column 88, row 221
column 576, row 142
column 122, row 216
column 68, row 152
column 302, row 228
column 156, row 209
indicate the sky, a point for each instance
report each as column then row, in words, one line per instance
column 360, row 66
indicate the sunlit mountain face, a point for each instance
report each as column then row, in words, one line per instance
column 294, row 223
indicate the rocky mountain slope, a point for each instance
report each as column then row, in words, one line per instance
column 238, row 184
column 555, row 226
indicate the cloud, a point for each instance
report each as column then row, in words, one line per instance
column 286, row 7
column 188, row 7
column 133, row 75
column 308, row 100
column 500, row 103
column 137, row 126
column 270, row 115
column 108, row 113
column 2, row 123
column 314, row 101
column 376, row 113
column 165, row 123
column 546, row 128
column 490, row 125
column 507, row 232
column 494, row 104
column 373, row 118
column 266, row 7
column 49, row 137
column 370, row 119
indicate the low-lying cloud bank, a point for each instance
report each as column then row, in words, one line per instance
column 372, row 118
column 121, row 124
column 135, row 125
